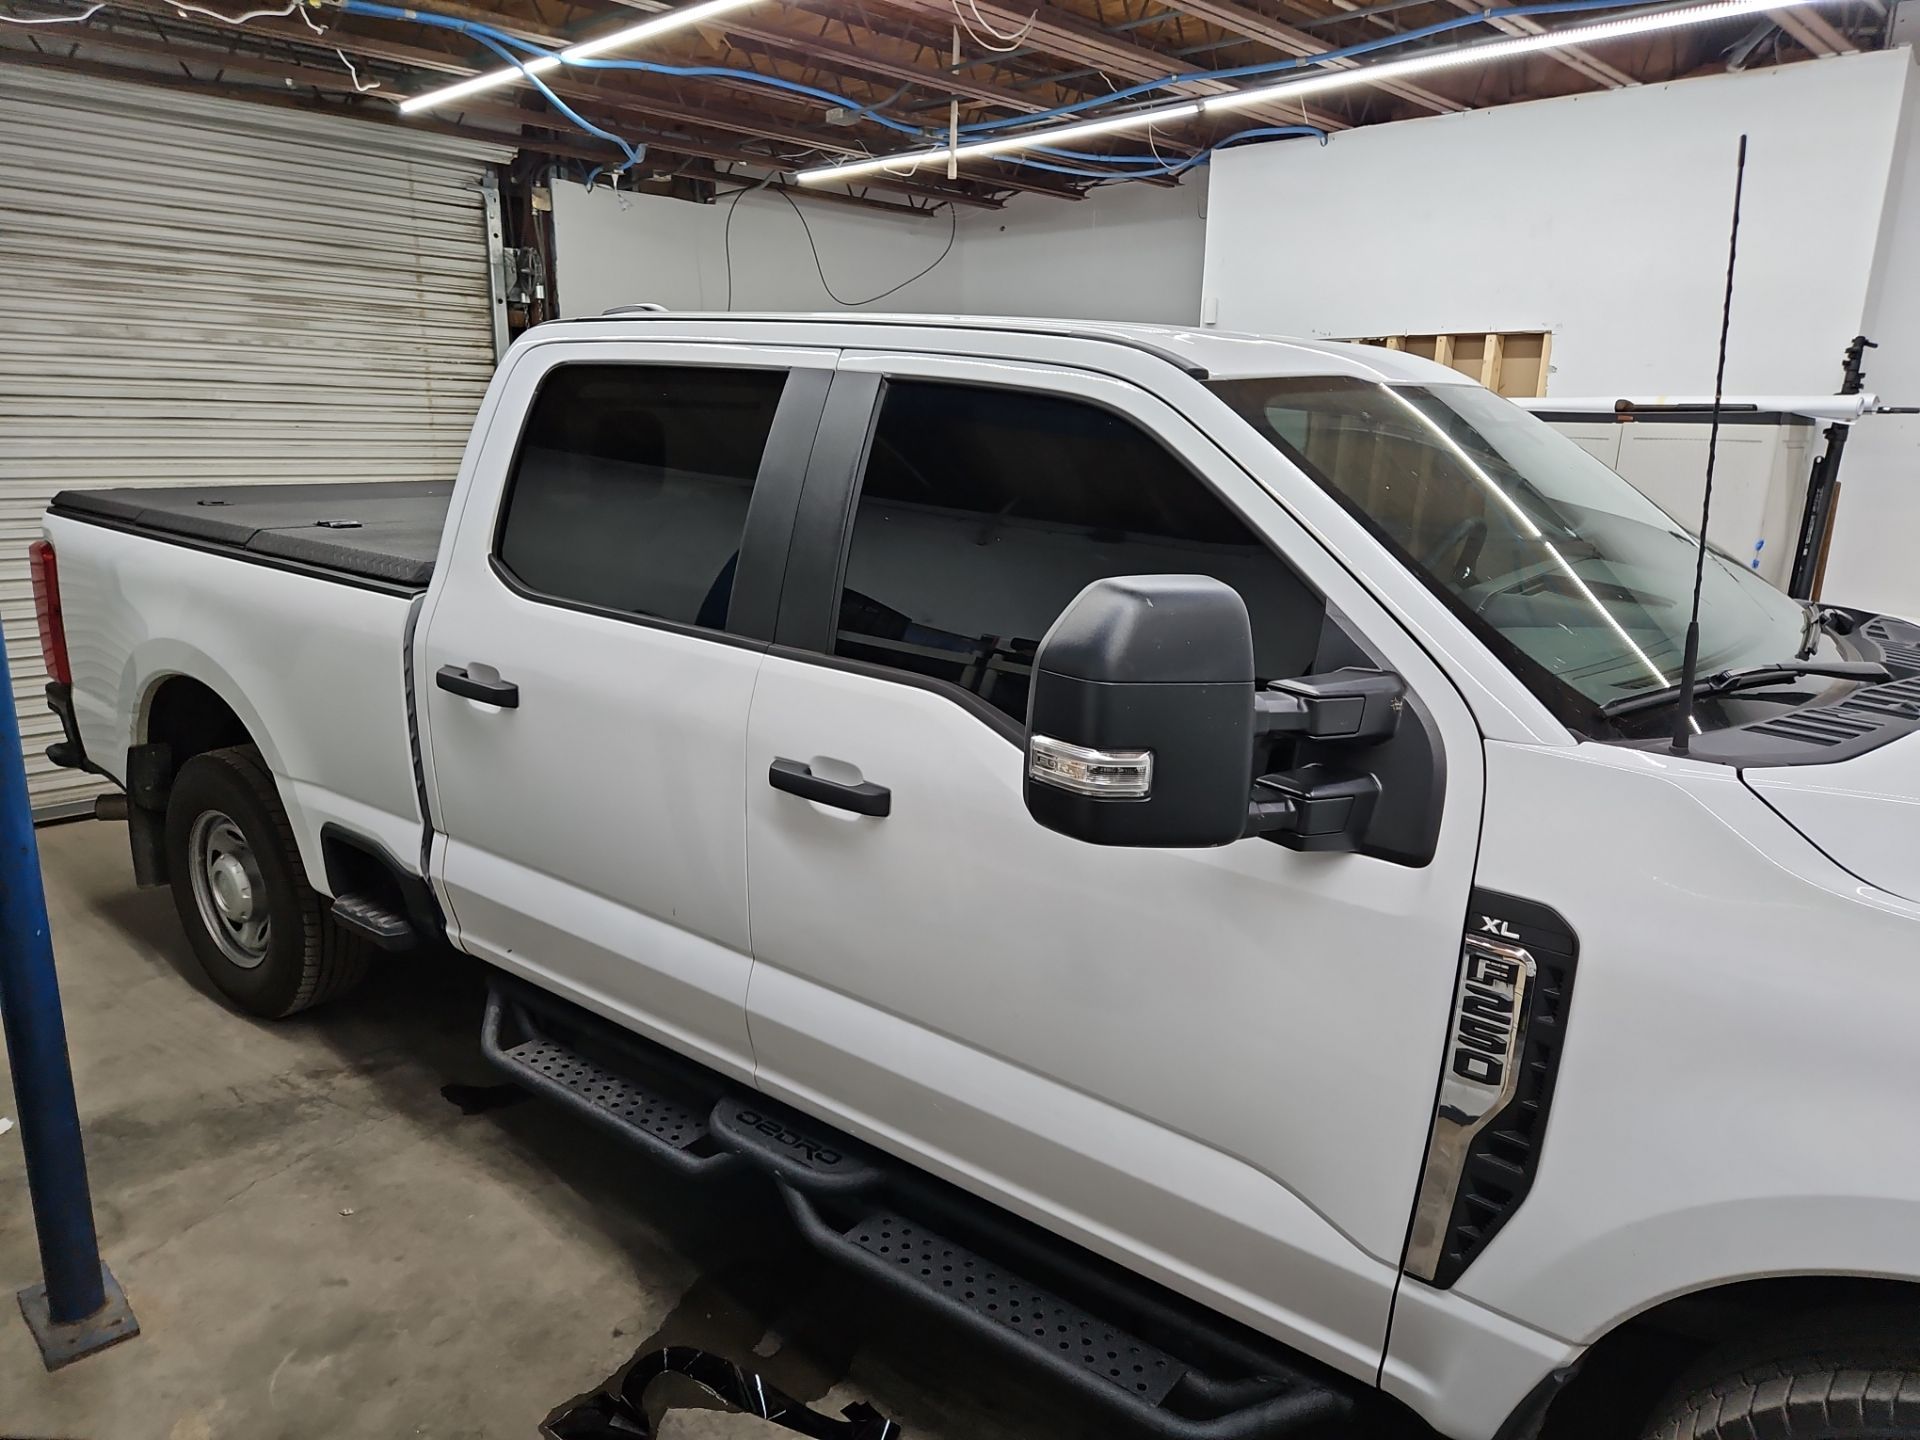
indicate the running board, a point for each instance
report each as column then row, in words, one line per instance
column 374, row 923
column 1120, row 1342
column 637, row 1095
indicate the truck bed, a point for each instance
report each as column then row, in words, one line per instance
column 385, row 532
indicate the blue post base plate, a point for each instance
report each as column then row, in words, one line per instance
column 64, row 1344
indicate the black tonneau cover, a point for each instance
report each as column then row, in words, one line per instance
column 386, row 531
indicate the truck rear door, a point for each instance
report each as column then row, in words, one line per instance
column 586, row 666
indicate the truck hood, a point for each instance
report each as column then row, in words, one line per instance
column 1864, row 813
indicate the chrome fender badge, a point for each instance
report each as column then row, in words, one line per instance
column 1477, row 1082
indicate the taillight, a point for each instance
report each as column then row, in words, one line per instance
column 46, row 605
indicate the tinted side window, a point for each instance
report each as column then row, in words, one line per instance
column 984, row 512
column 631, row 486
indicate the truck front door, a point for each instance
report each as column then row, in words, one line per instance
column 585, row 666
column 1217, row 1066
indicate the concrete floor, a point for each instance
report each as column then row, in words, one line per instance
column 317, row 1243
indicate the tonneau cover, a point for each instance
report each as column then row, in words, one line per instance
column 387, row 531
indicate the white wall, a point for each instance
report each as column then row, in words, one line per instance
column 1602, row 218
column 1872, row 563
column 1128, row 252
column 618, row 249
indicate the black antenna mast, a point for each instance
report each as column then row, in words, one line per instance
column 1690, row 662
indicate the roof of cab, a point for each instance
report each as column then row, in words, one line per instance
column 1206, row 353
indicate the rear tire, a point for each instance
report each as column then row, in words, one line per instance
column 260, row 930
column 1843, row 1376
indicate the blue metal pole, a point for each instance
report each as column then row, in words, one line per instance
column 79, row 1308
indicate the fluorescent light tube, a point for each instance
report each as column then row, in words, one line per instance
column 1312, row 84
column 1484, row 54
column 910, row 160
column 585, row 50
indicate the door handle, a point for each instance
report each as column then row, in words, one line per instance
column 456, row 680
column 797, row 778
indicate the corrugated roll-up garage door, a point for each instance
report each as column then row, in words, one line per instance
column 199, row 290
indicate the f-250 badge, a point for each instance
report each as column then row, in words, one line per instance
column 1492, row 985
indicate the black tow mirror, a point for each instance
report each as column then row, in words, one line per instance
column 1140, row 717
column 1144, row 726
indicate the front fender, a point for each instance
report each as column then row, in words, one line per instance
column 1735, row 1097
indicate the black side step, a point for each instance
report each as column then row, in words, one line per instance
column 619, row 1086
column 1168, row 1365
column 373, row 922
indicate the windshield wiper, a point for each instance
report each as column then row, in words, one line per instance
column 1751, row 677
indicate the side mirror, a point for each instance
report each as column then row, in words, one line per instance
column 1140, row 714
column 1144, row 726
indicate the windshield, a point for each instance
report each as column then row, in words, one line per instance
column 1579, row 581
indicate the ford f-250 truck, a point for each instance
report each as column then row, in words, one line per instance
column 1167, row 846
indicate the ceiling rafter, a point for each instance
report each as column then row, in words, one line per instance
column 1071, row 37
column 1813, row 30
column 1242, row 20
column 1579, row 61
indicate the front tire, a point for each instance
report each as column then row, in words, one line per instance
column 1837, row 1377
column 260, row 930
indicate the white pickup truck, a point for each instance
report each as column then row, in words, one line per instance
column 1167, row 846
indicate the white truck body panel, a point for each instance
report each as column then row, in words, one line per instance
column 313, row 668
column 1865, row 815
column 1726, row 1095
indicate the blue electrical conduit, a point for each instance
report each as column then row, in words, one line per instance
column 1178, row 167
column 495, row 38
column 634, row 153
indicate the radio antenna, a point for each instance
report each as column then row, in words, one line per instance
column 1690, row 661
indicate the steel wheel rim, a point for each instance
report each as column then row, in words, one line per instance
column 229, row 890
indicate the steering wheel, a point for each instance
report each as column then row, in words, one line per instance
column 1464, row 541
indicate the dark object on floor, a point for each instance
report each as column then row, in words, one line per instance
column 478, row 1099
column 617, row 1411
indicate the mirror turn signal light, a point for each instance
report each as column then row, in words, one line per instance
column 1101, row 774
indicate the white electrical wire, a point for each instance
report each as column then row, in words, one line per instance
column 354, row 75
column 86, row 14
column 1013, row 41
column 1016, row 36
column 185, row 9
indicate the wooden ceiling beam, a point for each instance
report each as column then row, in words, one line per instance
column 851, row 58
column 1814, row 31
column 940, row 81
column 932, row 35
column 1069, row 37
column 1238, row 19
column 276, row 73
column 1575, row 59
